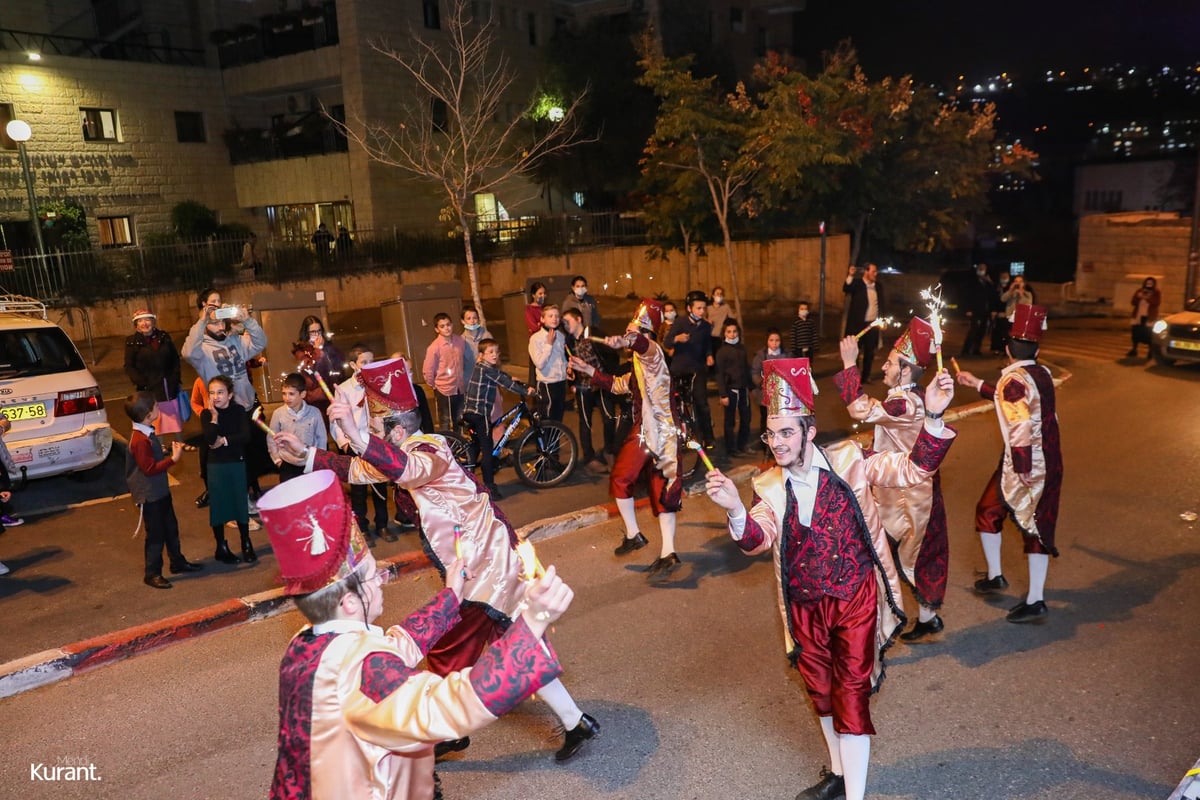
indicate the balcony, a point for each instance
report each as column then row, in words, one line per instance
column 293, row 136
column 277, row 35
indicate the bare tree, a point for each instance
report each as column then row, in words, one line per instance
column 450, row 132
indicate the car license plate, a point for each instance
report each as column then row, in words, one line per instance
column 24, row 412
column 1182, row 344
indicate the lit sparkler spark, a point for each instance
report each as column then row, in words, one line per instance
column 882, row 322
column 531, row 568
column 935, row 304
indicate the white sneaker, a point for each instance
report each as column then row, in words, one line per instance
column 254, row 525
column 3, row 569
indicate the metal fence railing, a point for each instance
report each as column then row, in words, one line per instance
column 101, row 274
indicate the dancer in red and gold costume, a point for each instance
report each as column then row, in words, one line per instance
column 357, row 719
column 1028, row 482
column 448, row 499
column 838, row 588
column 652, row 446
column 913, row 516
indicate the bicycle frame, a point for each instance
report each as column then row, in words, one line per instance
column 510, row 419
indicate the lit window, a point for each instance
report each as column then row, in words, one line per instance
column 99, row 124
column 115, row 231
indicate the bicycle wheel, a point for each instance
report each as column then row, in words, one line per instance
column 546, row 455
column 463, row 449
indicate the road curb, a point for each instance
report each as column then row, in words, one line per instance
column 51, row 666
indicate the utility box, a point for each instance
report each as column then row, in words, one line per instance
column 408, row 319
column 280, row 315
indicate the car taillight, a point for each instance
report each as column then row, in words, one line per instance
column 79, row 401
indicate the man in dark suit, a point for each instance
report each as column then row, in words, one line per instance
column 981, row 298
column 864, row 305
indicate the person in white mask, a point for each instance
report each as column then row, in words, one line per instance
column 589, row 309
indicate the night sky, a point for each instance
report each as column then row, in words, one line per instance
column 937, row 39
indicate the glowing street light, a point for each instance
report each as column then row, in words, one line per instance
column 19, row 131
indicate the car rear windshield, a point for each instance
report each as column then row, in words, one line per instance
column 37, row 351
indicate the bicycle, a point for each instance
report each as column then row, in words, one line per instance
column 686, row 427
column 544, row 452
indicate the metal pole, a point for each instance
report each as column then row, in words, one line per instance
column 33, row 215
column 821, row 290
column 1193, row 262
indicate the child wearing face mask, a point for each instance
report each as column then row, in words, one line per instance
column 733, row 387
column 473, row 333
column 717, row 314
column 669, row 316
column 803, row 333
column 772, row 351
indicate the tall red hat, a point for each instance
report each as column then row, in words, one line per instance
column 916, row 343
column 649, row 314
column 389, row 384
column 312, row 531
column 1028, row 322
column 790, row 388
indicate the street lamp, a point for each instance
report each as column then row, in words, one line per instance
column 19, row 131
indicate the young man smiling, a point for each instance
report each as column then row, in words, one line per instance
column 838, row 587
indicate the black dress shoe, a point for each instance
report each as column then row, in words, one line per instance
column 628, row 545
column 1028, row 612
column 830, row 787
column 991, row 585
column 156, row 582
column 451, row 746
column 586, row 729
column 186, row 566
column 923, row 629
column 202, row 499
column 662, row 567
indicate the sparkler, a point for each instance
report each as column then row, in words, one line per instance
column 531, row 568
column 935, row 304
column 458, row 542
column 324, row 386
column 881, row 323
column 693, row 444
column 954, row 363
column 257, row 419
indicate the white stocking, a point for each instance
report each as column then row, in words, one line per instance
column 555, row 695
column 628, row 515
column 925, row 614
column 856, row 757
column 832, row 741
column 666, row 524
column 1039, row 563
column 991, row 551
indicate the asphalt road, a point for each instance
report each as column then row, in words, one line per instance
column 689, row 681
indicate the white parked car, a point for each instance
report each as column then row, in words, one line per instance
column 48, row 394
column 1176, row 337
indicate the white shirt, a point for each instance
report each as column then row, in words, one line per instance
column 872, row 302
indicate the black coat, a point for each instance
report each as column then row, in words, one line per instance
column 856, row 312
column 152, row 364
